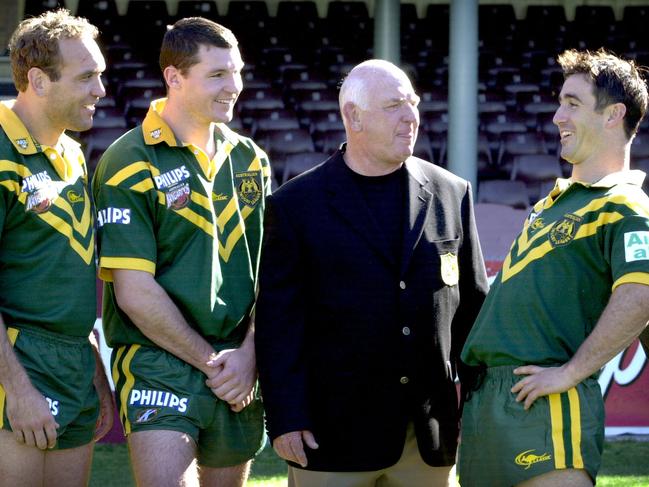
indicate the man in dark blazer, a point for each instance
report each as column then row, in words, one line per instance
column 370, row 279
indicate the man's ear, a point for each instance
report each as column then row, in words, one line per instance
column 172, row 77
column 615, row 114
column 38, row 80
column 352, row 114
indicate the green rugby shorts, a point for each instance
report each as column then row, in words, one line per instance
column 502, row 444
column 62, row 368
column 157, row 391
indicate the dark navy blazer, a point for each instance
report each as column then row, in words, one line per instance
column 352, row 342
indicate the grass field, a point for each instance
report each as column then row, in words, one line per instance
column 625, row 464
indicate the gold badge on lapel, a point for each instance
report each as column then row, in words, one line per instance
column 449, row 268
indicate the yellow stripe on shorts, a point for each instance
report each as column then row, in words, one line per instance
column 128, row 385
column 115, row 372
column 12, row 334
column 556, row 421
column 575, row 428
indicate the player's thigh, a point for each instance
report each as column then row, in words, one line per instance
column 234, row 476
column 20, row 465
column 163, row 458
column 69, row 467
column 560, row 478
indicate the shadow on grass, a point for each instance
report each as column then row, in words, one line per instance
column 625, row 464
column 111, row 467
column 625, row 458
column 268, row 465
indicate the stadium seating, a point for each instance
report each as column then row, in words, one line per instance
column 504, row 192
column 537, row 171
column 198, row 8
column 295, row 164
column 293, row 71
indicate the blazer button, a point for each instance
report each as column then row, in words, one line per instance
column 405, row 330
column 402, row 284
column 404, row 380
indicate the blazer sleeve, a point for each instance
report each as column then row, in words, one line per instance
column 280, row 325
column 473, row 282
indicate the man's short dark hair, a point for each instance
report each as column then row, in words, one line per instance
column 615, row 80
column 182, row 42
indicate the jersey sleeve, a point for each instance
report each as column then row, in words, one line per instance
column 628, row 247
column 3, row 210
column 266, row 173
column 9, row 191
column 125, row 200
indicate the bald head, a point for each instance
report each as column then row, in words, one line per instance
column 360, row 84
column 379, row 110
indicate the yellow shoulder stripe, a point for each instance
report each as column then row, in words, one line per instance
column 585, row 230
column 129, row 263
column 11, row 186
column 632, row 278
column 125, row 173
column 10, row 166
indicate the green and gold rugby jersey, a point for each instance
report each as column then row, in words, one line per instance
column 47, row 248
column 194, row 223
column 577, row 246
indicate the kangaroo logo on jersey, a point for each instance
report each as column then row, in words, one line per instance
column 74, row 197
column 146, row 397
column 144, row 415
column 248, row 188
column 636, row 246
column 155, row 134
column 564, row 230
column 528, row 458
column 537, row 224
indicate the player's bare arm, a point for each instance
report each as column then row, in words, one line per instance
column 27, row 410
column 151, row 309
column 623, row 319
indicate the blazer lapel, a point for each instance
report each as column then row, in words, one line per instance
column 347, row 200
column 419, row 200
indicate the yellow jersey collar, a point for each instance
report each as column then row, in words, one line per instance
column 629, row 176
column 65, row 163
column 156, row 129
column 16, row 130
